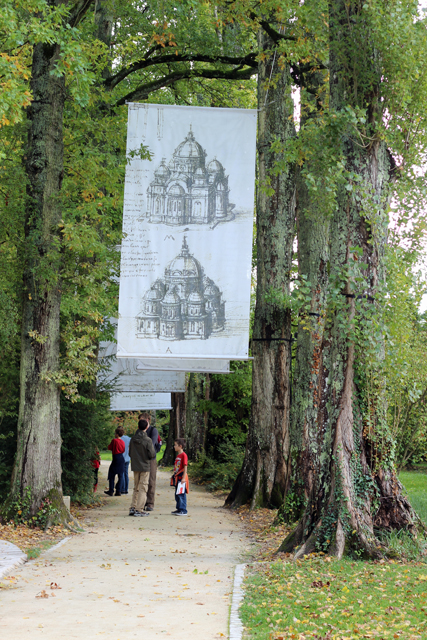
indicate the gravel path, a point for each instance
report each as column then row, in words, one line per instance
column 132, row 577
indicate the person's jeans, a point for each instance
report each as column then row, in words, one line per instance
column 125, row 488
column 119, row 485
column 181, row 502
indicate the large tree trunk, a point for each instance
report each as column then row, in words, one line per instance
column 196, row 423
column 37, row 463
column 350, row 487
column 313, row 268
column 265, row 473
column 177, row 426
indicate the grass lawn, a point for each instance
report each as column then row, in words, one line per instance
column 333, row 599
column 329, row 599
column 106, row 455
column 415, row 484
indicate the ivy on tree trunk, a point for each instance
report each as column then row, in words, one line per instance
column 265, row 473
column 38, row 463
column 350, row 486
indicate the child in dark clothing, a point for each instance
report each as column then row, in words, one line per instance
column 180, row 475
column 117, row 466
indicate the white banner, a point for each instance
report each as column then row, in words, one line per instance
column 185, row 364
column 188, row 218
column 126, row 374
column 140, row 401
column 107, row 349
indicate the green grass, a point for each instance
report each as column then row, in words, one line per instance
column 330, row 599
column 339, row 599
column 34, row 552
column 106, row 455
column 415, row 483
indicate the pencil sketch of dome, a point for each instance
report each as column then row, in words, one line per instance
column 187, row 190
column 184, row 305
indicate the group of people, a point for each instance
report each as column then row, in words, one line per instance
column 140, row 451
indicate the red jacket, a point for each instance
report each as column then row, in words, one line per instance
column 117, row 446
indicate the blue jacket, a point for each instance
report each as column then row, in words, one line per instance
column 126, row 455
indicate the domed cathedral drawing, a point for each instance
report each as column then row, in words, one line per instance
column 187, row 190
column 183, row 305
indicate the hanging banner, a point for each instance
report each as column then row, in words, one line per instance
column 126, row 375
column 184, row 364
column 140, row 401
column 186, row 256
column 109, row 350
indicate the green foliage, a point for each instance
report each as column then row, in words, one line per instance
column 293, row 505
column 18, row 511
column 218, row 473
column 229, row 406
column 86, row 426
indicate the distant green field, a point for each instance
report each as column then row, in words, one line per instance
column 415, row 483
column 106, row 455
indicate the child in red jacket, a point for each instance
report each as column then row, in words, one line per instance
column 180, row 475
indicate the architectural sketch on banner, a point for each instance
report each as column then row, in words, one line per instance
column 188, row 221
column 140, row 401
column 188, row 189
column 185, row 304
column 124, row 374
column 108, row 350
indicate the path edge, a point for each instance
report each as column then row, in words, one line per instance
column 58, row 544
column 236, row 626
column 17, row 560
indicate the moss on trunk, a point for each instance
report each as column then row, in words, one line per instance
column 345, row 449
column 265, row 472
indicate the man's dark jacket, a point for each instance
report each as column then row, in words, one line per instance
column 141, row 451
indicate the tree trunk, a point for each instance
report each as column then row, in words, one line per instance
column 37, row 463
column 177, row 426
column 313, row 268
column 195, row 427
column 265, row 473
column 350, row 486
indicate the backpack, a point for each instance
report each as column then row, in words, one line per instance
column 158, row 444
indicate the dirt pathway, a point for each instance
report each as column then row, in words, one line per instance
column 132, row 577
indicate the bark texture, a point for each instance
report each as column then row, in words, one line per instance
column 313, row 266
column 265, row 473
column 350, row 488
column 196, row 420
column 177, row 426
column 38, row 463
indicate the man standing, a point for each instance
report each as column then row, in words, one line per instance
column 141, row 452
column 154, row 435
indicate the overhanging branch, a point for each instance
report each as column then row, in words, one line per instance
column 248, row 60
column 143, row 91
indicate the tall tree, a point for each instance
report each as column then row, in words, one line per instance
column 351, row 488
column 37, row 463
column 265, row 473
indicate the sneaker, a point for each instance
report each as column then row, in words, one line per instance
column 132, row 511
column 117, row 494
column 174, row 512
column 140, row 514
column 181, row 513
column 108, row 493
column 148, row 508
